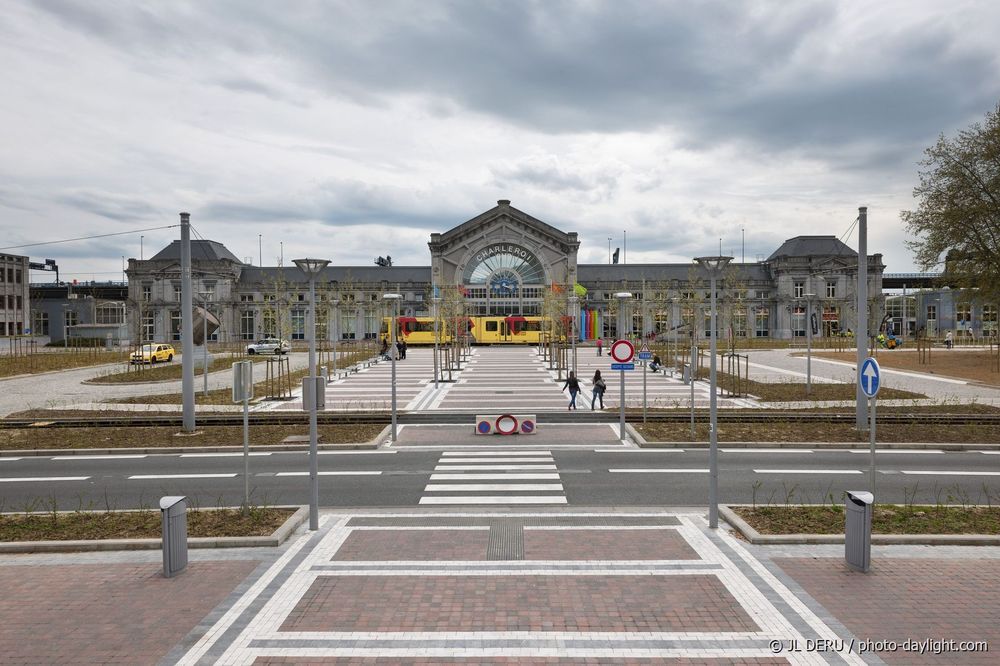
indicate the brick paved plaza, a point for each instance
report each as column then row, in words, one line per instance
column 534, row 587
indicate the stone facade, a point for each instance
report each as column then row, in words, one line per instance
column 14, row 306
column 505, row 262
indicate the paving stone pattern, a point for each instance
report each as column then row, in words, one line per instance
column 508, row 603
column 902, row 599
column 564, row 587
column 106, row 613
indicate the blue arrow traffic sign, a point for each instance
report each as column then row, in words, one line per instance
column 869, row 378
column 623, row 366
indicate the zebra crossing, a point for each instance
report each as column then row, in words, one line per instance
column 494, row 477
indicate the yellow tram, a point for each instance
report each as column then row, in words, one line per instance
column 483, row 330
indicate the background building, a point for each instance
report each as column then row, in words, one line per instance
column 505, row 262
column 14, row 301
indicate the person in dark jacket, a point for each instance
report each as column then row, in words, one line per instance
column 598, row 392
column 573, row 384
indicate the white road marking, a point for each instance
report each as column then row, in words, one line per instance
column 107, row 457
column 495, row 487
column 766, row 450
column 13, row 459
column 222, row 455
column 947, row 473
column 42, row 479
column 493, row 453
column 344, row 473
column 881, row 451
column 808, row 471
column 474, row 468
column 142, row 477
column 352, row 453
column 661, row 470
column 546, row 459
column 989, row 453
column 514, row 499
column 494, row 477
column 629, row 449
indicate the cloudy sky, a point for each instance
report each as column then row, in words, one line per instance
column 349, row 130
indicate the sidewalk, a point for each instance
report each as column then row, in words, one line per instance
column 554, row 587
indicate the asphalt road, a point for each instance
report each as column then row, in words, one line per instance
column 595, row 476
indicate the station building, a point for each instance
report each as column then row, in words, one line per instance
column 504, row 262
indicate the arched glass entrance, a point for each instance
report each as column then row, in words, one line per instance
column 504, row 279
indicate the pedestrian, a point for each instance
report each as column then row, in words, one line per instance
column 655, row 365
column 600, row 346
column 399, row 350
column 384, row 351
column 598, row 392
column 948, row 342
column 573, row 384
column 404, row 349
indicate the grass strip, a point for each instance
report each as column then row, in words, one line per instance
column 70, row 359
column 778, row 431
column 142, row 524
column 117, row 438
column 886, row 519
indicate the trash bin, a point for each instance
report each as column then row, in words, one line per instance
column 858, row 530
column 173, row 510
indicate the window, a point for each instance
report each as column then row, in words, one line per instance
column 246, row 298
column 963, row 313
column 762, row 323
column 298, row 324
column 491, row 326
column 175, row 324
column 740, row 323
column 177, row 293
column 148, row 329
column 147, row 292
column 269, row 323
column 931, row 313
column 40, row 323
column 10, row 275
column 17, row 276
column 20, row 302
column 798, row 289
column 989, row 318
column 270, row 298
column 208, row 291
column 247, row 324
column 109, row 313
column 798, row 322
column 300, row 298
column 10, row 302
column 761, row 294
column 831, row 289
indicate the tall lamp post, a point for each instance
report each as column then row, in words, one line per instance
column 623, row 297
column 574, row 301
column 394, row 298
column 312, row 268
column 714, row 267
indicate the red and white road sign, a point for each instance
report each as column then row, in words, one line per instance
column 622, row 351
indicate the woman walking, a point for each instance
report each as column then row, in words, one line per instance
column 573, row 384
column 599, row 387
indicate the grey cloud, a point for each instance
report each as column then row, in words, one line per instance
column 110, row 206
column 718, row 71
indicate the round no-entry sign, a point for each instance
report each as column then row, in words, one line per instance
column 622, row 351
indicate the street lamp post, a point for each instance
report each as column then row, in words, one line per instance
column 714, row 267
column 312, row 268
column 395, row 298
column 335, row 303
column 436, row 302
column 622, row 297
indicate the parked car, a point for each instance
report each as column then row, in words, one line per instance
column 268, row 346
column 153, row 353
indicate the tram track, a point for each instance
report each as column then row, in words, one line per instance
column 358, row 418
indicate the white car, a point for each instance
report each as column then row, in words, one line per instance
column 268, row 346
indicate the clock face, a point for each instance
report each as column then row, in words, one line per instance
column 503, row 283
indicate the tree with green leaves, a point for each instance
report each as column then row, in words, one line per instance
column 957, row 221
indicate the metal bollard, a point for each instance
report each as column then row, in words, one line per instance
column 173, row 510
column 858, row 530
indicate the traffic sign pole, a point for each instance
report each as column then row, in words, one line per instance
column 645, row 369
column 871, row 440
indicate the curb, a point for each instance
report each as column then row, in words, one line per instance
column 944, row 446
column 637, row 439
column 756, row 538
column 278, row 537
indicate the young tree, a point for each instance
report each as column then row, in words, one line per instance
column 957, row 220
